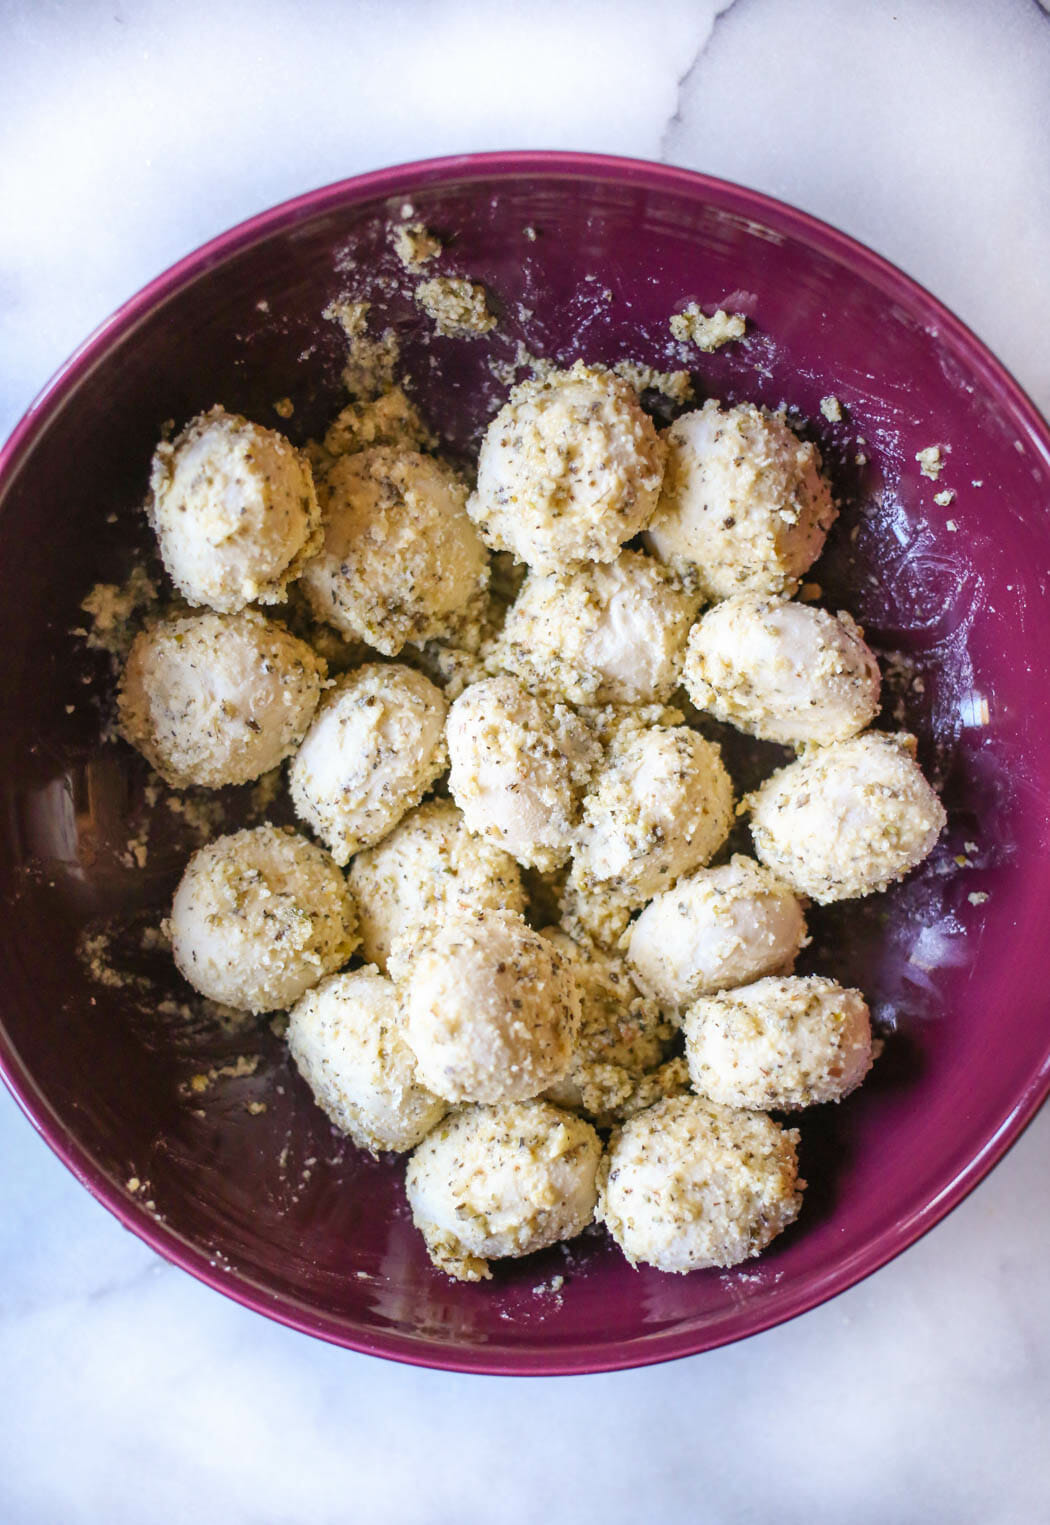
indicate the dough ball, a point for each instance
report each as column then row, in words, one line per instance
column 622, row 1033
column 569, row 469
column 743, row 504
column 719, row 928
column 782, row 671
column 375, row 747
column 234, row 511
column 661, row 807
column 689, row 1184
column 347, row 1039
column 400, row 558
column 607, row 634
column 847, row 820
column 493, row 1009
column 259, row 917
column 515, row 769
column 779, row 1043
column 495, row 1182
column 214, row 699
column 427, row 867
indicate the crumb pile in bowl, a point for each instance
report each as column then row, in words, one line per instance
column 189, row 1114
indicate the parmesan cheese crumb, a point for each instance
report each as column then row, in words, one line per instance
column 831, row 409
column 944, row 498
column 414, row 245
column 369, row 368
column 675, row 385
column 707, row 333
column 458, row 307
column 113, row 607
column 977, row 897
column 930, row 461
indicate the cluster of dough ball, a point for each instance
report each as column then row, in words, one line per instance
column 577, row 796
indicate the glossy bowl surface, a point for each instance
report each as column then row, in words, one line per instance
column 585, row 256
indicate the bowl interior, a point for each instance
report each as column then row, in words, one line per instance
column 239, row 1177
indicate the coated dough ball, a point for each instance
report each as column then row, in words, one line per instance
column 428, row 866
column 493, row 1009
column 719, row 928
column 502, row 1181
column 847, row 820
column 515, row 771
column 569, row 469
column 689, row 1184
column 661, row 807
column 779, row 1043
column 214, row 699
column 234, row 511
column 622, row 1034
column 744, row 503
column 347, row 1039
column 607, row 634
column 374, row 749
column 782, row 671
column 259, row 917
column 400, row 558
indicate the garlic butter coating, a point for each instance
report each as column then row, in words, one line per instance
column 516, row 765
column 744, row 505
column 689, row 1184
column 400, row 558
column 847, row 820
column 374, row 748
column 214, row 699
column 346, row 1037
column 610, row 633
column 779, row 1044
column 234, row 510
column 494, row 1182
column 714, row 930
column 782, row 671
column 429, row 865
column 569, row 470
column 660, row 807
column 492, row 1007
column 259, row 917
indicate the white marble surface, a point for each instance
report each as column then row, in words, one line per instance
column 129, row 132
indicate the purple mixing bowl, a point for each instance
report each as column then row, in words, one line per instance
column 269, row 1206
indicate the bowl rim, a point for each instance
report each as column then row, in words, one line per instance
column 404, row 180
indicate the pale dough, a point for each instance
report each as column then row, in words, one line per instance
column 214, row 699
column 234, row 511
column 500, row 1181
column 782, row 671
column 493, row 1009
column 569, row 469
column 688, row 1184
column 611, row 633
column 516, row 769
column 259, row 917
column 400, row 558
column 718, row 928
column 347, row 1039
column 779, row 1044
column 374, row 748
column 847, row 820
column 744, row 505
column 429, row 865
